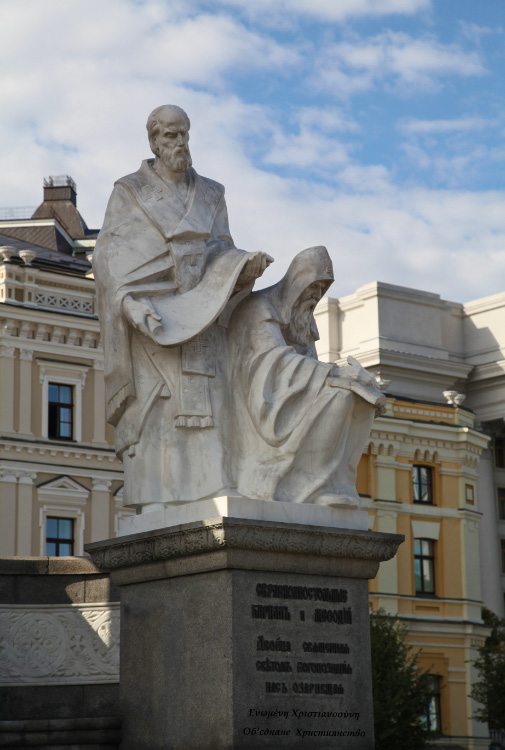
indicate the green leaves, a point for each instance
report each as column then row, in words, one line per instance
column 401, row 691
column 489, row 690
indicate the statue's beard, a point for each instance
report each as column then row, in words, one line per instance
column 177, row 160
column 299, row 331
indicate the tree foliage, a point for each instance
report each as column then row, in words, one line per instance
column 401, row 690
column 489, row 690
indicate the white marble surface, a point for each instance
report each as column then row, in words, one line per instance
column 59, row 644
column 212, row 387
column 240, row 507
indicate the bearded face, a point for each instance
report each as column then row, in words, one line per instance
column 176, row 157
column 301, row 331
column 170, row 143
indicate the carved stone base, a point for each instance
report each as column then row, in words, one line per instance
column 241, row 633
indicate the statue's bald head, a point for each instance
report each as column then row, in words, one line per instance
column 165, row 113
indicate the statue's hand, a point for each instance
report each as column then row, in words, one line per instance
column 254, row 268
column 141, row 315
column 354, row 372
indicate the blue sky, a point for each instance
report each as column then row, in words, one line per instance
column 374, row 127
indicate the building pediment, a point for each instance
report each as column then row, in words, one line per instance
column 63, row 486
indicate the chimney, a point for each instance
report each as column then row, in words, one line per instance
column 60, row 188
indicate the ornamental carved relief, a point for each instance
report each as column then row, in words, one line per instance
column 67, row 644
column 233, row 534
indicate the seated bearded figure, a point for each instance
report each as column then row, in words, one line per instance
column 302, row 424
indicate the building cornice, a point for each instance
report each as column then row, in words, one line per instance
column 51, row 449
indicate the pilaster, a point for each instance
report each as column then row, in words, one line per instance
column 24, row 514
column 387, row 522
column 99, row 417
column 100, row 510
column 386, row 477
column 25, row 391
column 489, row 543
column 7, row 355
column 8, row 483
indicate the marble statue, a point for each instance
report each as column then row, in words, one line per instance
column 168, row 275
column 212, row 389
column 303, row 423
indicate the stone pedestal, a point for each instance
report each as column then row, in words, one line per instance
column 240, row 633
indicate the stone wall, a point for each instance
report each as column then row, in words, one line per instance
column 59, row 647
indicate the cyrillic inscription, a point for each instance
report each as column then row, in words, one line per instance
column 338, row 616
column 314, row 667
column 270, row 612
column 310, row 593
column 318, row 688
column 325, row 648
column 268, row 665
column 262, row 644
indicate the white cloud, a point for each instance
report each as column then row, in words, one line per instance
column 280, row 11
column 317, row 144
column 133, row 40
column 456, row 166
column 77, row 81
column 427, row 127
column 354, row 66
column 327, row 119
column 475, row 32
column 307, row 149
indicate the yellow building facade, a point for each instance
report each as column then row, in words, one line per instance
column 430, row 473
column 60, row 481
column 433, row 583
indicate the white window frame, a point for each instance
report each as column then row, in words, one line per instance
column 63, row 498
column 63, row 374
column 63, row 511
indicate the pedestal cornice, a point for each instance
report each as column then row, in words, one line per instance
column 244, row 544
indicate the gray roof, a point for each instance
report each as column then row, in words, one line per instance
column 49, row 260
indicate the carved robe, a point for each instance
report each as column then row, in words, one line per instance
column 301, row 429
column 165, row 394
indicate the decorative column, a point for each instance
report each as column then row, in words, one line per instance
column 386, row 477
column 25, row 391
column 100, row 508
column 242, row 633
column 99, row 418
column 8, row 482
column 24, row 515
column 489, row 542
column 387, row 518
column 7, row 354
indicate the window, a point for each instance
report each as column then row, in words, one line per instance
column 432, row 718
column 422, row 484
column 501, row 503
column 59, row 536
column 60, row 412
column 499, row 452
column 424, row 566
column 70, row 375
column 469, row 494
